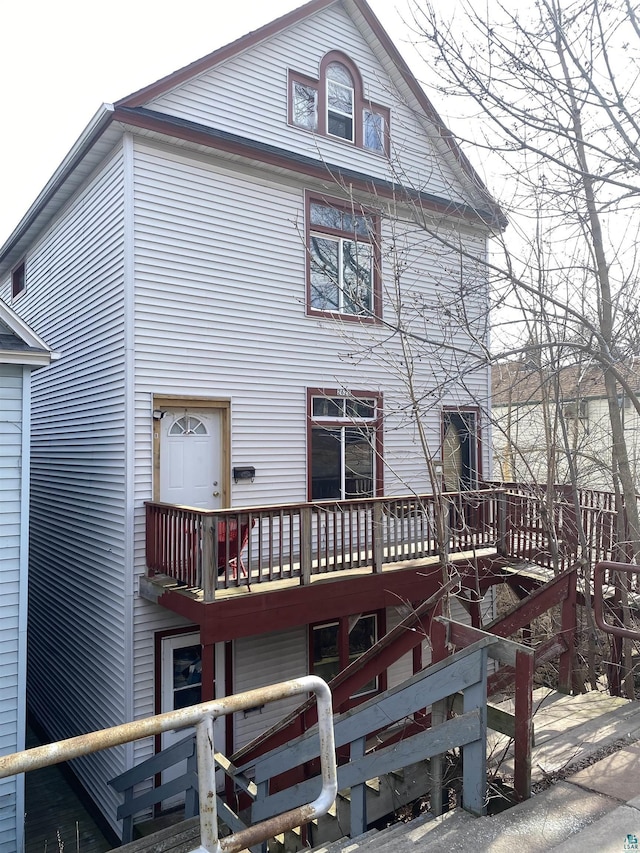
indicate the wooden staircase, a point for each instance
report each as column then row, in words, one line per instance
column 571, row 733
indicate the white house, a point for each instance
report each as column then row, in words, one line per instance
column 21, row 352
column 534, row 409
column 251, row 269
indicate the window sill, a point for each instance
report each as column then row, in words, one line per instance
column 349, row 318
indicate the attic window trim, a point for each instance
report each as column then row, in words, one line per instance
column 362, row 112
column 18, row 280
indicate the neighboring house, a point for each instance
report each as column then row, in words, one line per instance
column 532, row 412
column 21, row 352
column 216, row 260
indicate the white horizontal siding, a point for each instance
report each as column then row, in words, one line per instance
column 247, row 95
column 260, row 661
column 12, row 669
column 76, row 642
column 220, row 287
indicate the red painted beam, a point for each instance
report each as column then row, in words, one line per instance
column 537, row 603
column 261, row 612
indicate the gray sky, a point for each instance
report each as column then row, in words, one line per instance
column 61, row 59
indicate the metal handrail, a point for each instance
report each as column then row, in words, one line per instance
column 598, row 597
column 202, row 716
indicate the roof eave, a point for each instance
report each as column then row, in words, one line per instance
column 27, row 358
column 36, row 216
column 179, row 128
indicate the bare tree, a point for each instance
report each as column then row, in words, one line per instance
column 555, row 102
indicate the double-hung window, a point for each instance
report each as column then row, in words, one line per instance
column 342, row 260
column 345, row 445
column 340, row 102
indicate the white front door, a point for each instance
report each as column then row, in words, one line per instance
column 181, row 673
column 191, row 458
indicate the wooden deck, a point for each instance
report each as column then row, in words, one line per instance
column 56, row 818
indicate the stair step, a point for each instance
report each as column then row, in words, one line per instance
column 425, row 833
column 179, row 838
column 607, row 834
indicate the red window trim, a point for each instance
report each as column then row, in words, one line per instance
column 360, row 103
column 376, row 423
column 349, row 207
column 343, row 640
column 462, row 410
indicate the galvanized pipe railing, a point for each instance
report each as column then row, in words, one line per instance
column 202, row 716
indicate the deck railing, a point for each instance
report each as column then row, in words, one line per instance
column 219, row 549
column 464, row 672
column 543, row 525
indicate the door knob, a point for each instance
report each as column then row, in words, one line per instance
column 216, row 494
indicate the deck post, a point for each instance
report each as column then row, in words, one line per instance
column 525, row 665
column 378, row 538
column 358, row 806
column 305, row 544
column 501, row 541
column 568, row 627
column 438, row 716
column 209, row 557
column 474, row 755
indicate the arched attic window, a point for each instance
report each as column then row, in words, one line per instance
column 334, row 105
column 340, row 97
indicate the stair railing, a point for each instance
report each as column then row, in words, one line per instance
column 202, row 717
column 463, row 672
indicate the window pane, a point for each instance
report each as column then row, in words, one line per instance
column 329, row 217
column 327, row 407
column 340, row 99
column 305, row 106
column 326, row 465
column 356, row 277
column 361, row 408
column 358, row 461
column 325, row 281
column 361, row 226
column 340, row 125
column 361, row 638
column 373, row 131
column 338, row 73
column 326, row 654
column 18, row 280
column 187, row 676
column 341, row 220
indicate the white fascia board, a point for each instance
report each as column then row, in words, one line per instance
column 21, row 329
